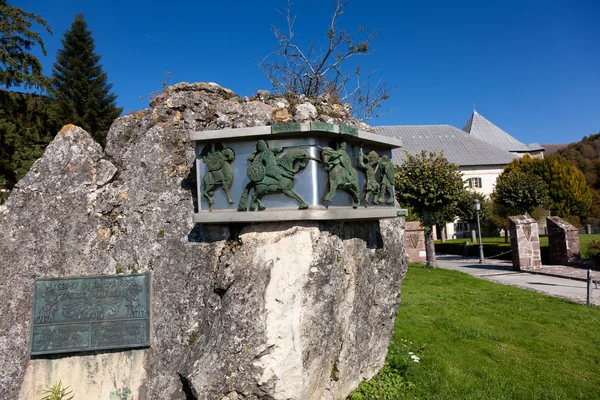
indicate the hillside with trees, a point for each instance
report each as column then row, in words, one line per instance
column 586, row 155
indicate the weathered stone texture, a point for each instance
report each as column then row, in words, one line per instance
column 524, row 242
column 265, row 311
column 563, row 241
column 414, row 241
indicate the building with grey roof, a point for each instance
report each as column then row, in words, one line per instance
column 480, row 149
column 480, row 162
column 458, row 147
column 485, row 130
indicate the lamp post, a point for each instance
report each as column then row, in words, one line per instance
column 477, row 208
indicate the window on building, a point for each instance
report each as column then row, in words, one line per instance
column 475, row 182
column 461, row 226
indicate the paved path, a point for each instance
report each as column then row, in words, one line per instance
column 562, row 281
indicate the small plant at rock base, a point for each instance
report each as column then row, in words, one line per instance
column 118, row 270
column 386, row 385
column 57, row 392
column 160, row 233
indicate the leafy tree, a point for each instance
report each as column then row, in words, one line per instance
column 18, row 67
column 568, row 190
column 429, row 184
column 79, row 85
column 317, row 69
column 593, row 216
column 499, row 216
column 466, row 212
column 520, row 191
column 25, row 131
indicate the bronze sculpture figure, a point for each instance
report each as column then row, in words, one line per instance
column 370, row 164
column 342, row 175
column 271, row 174
column 387, row 180
column 219, row 172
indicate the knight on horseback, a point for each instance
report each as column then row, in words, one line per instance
column 264, row 163
column 270, row 174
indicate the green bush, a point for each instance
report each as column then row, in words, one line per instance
column 489, row 250
column 593, row 250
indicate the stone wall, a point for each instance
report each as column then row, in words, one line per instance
column 524, row 243
column 414, row 241
column 263, row 311
column 563, row 241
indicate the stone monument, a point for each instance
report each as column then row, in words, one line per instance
column 563, row 241
column 524, row 242
column 284, row 309
column 415, row 242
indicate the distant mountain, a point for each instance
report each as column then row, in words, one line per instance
column 553, row 148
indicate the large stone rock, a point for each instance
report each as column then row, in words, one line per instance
column 524, row 243
column 264, row 311
column 563, row 241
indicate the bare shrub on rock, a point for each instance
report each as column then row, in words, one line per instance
column 324, row 70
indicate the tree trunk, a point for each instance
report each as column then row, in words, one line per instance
column 429, row 245
column 441, row 231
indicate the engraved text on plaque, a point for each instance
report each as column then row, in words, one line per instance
column 90, row 313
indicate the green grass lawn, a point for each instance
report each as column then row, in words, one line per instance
column 584, row 240
column 481, row 340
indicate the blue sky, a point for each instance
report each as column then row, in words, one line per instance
column 531, row 67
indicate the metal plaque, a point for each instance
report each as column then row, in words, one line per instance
column 90, row 313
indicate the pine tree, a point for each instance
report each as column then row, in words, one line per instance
column 24, row 127
column 79, row 84
column 18, row 67
column 25, row 131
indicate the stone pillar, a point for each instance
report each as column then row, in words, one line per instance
column 563, row 240
column 414, row 242
column 524, row 242
column 588, row 229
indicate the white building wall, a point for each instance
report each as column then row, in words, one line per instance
column 488, row 175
